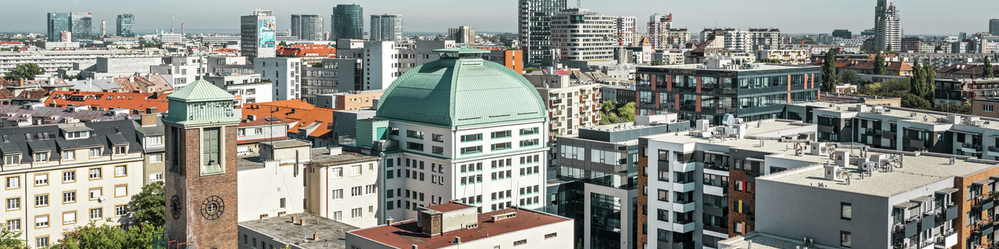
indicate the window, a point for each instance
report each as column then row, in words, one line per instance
column 846, row 211
column 155, row 158
column 336, row 172
column 120, row 190
column 69, row 217
column 551, row 235
column 41, row 179
column 529, row 131
column 14, row 225
column 471, row 137
column 664, row 195
column 155, row 140
column 471, row 150
column 520, row 242
column 69, row 176
column 96, row 193
column 68, row 197
column 69, row 155
column 13, row 182
column 987, row 108
column 120, row 210
column 119, row 150
column 42, row 200
column 95, row 152
column 530, row 142
column 437, row 137
column 11, row 160
column 41, row 221
column 120, row 171
column 500, row 134
column 437, row 150
column 155, row 177
column 500, row 146
column 210, row 145
column 95, row 173
column 241, row 132
column 414, row 146
column 42, row 242
column 369, row 189
column 355, row 213
column 356, row 169
column 337, row 216
column 414, row 134
column 337, row 194
column 355, row 191
column 41, row 157
column 14, row 203
column 96, row 214
column 845, row 239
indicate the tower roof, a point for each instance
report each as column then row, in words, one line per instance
column 461, row 89
column 200, row 91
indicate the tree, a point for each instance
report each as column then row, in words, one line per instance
column 149, row 206
column 917, row 80
column 929, row 77
column 849, row 76
column 11, row 239
column 531, row 69
column 912, row 101
column 110, row 236
column 879, row 64
column 963, row 108
column 24, row 71
column 283, row 44
column 627, row 112
column 829, row 72
column 987, row 73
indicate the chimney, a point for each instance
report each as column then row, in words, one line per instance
column 301, row 222
column 315, row 236
column 293, row 219
column 389, row 221
column 148, row 118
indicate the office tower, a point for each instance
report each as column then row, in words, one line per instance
column 842, row 33
column 625, row 30
column 887, row 29
column 80, row 23
column 994, row 26
column 257, row 34
column 386, row 28
column 574, row 21
column 534, row 29
column 307, row 27
column 462, row 34
column 57, row 23
column 126, row 25
column 658, row 26
column 347, row 22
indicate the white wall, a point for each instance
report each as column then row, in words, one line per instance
column 261, row 190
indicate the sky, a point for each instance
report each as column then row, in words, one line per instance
column 791, row 16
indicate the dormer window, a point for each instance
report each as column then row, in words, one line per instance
column 11, row 160
column 120, row 150
column 41, row 157
column 6, row 139
column 95, row 152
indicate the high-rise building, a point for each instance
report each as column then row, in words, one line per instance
column 57, row 23
column 764, row 39
column 81, row 24
column 994, row 26
column 625, row 30
column 842, row 33
column 572, row 22
column 534, row 29
column 126, row 25
column 676, row 39
column 658, row 26
column 462, row 34
column 347, row 22
column 307, row 27
column 257, row 34
column 887, row 28
column 386, row 28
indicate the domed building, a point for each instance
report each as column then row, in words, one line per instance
column 459, row 128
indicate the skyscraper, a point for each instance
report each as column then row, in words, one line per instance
column 658, row 26
column 126, row 25
column 887, row 29
column 307, row 27
column 347, row 22
column 994, row 26
column 81, row 24
column 462, row 34
column 386, row 28
column 257, row 34
column 57, row 23
column 534, row 29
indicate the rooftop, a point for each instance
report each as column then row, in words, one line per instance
column 321, row 156
column 743, row 68
column 407, row 233
column 109, row 100
column 763, row 241
column 282, row 229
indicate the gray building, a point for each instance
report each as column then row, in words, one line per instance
column 347, row 22
column 462, row 34
column 994, row 26
column 80, row 23
column 307, row 27
column 386, row 28
column 534, row 28
column 333, row 76
column 842, row 33
column 257, row 33
column 125, row 25
column 57, row 23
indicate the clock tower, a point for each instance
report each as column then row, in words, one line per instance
column 201, row 167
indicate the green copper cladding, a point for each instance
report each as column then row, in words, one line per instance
column 200, row 102
column 461, row 89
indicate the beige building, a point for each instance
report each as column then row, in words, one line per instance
column 570, row 106
column 59, row 176
column 344, row 187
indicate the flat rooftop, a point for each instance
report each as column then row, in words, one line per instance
column 764, row 241
column 322, row 156
column 407, row 233
column 922, row 116
column 332, row 234
column 916, row 172
column 756, row 67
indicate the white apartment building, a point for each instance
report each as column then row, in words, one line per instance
column 284, row 73
column 269, row 183
column 658, row 27
column 247, row 88
column 51, row 61
column 625, row 30
column 578, row 34
column 345, row 187
column 786, row 56
column 178, row 70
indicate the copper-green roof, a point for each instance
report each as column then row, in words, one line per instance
column 200, row 91
column 455, row 92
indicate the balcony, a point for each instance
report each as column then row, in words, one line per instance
column 716, row 166
column 888, row 134
column 914, row 143
column 992, row 151
column 684, row 226
column 971, row 148
column 947, row 239
column 684, row 245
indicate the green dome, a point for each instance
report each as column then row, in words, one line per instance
column 461, row 89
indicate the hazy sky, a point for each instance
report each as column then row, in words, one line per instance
column 791, row 16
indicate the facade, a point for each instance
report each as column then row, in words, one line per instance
column 677, row 39
column 459, row 144
column 462, row 34
column 984, row 108
column 347, row 22
column 345, row 187
column 888, row 29
column 455, row 225
column 307, row 27
column 708, row 92
column 911, row 44
column 578, row 34
column 270, row 179
column 958, row 91
column 125, row 25
column 765, row 39
column 386, row 28
column 625, row 28
column 788, row 56
column 350, row 101
column 57, row 23
column 248, row 88
column 181, row 70
column 284, row 73
column 333, row 76
column 534, row 29
column 994, row 26
column 659, row 26
column 842, row 33
column 257, row 33
column 570, row 106
column 80, row 23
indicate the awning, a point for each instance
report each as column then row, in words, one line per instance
column 920, row 199
column 967, row 132
column 982, row 182
column 905, row 205
column 716, row 152
column 946, row 191
column 755, row 159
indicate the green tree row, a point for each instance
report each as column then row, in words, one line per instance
column 613, row 112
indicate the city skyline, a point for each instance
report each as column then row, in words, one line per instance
column 425, row 16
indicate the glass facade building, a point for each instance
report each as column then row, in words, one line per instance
column 347, row 22
column 57, row 23
column 534, row 29
column 307, row 27
column 126, row 25
column 80, row 23
column 386, row 28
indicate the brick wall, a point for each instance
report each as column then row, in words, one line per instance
column 193, row 189
column 643, row 201
column 734, row 196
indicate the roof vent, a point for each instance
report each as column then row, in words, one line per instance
column 504, row 216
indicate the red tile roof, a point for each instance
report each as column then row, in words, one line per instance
column 5, row 94
column 300, row 115
column 406, row 233
column 303, row 51
column 142, row 83
column 967, row 69
column 109, row 100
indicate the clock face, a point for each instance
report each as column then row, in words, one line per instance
column 212, row 207
column 175, row 207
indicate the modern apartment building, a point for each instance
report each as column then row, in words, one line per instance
column 751, row 91
column 56, row 23
column 80, row 23
column 786, row 56
column 887, row 27
column 347, row 22
column 625, row 28
column 248, row 88
column 765, row 39
column 677, row 39
column 957, row 91
column 333, row 76
column 125, row 25
column 659, row 26
column 459, row 143
column 257, row 35
column 284, row 73
column 345, row 187
column 570, row 106
column 534, row 29
column 51, row 61
column 386, row 27
column 580, row 35
column 462, row 34
column 307, row 27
